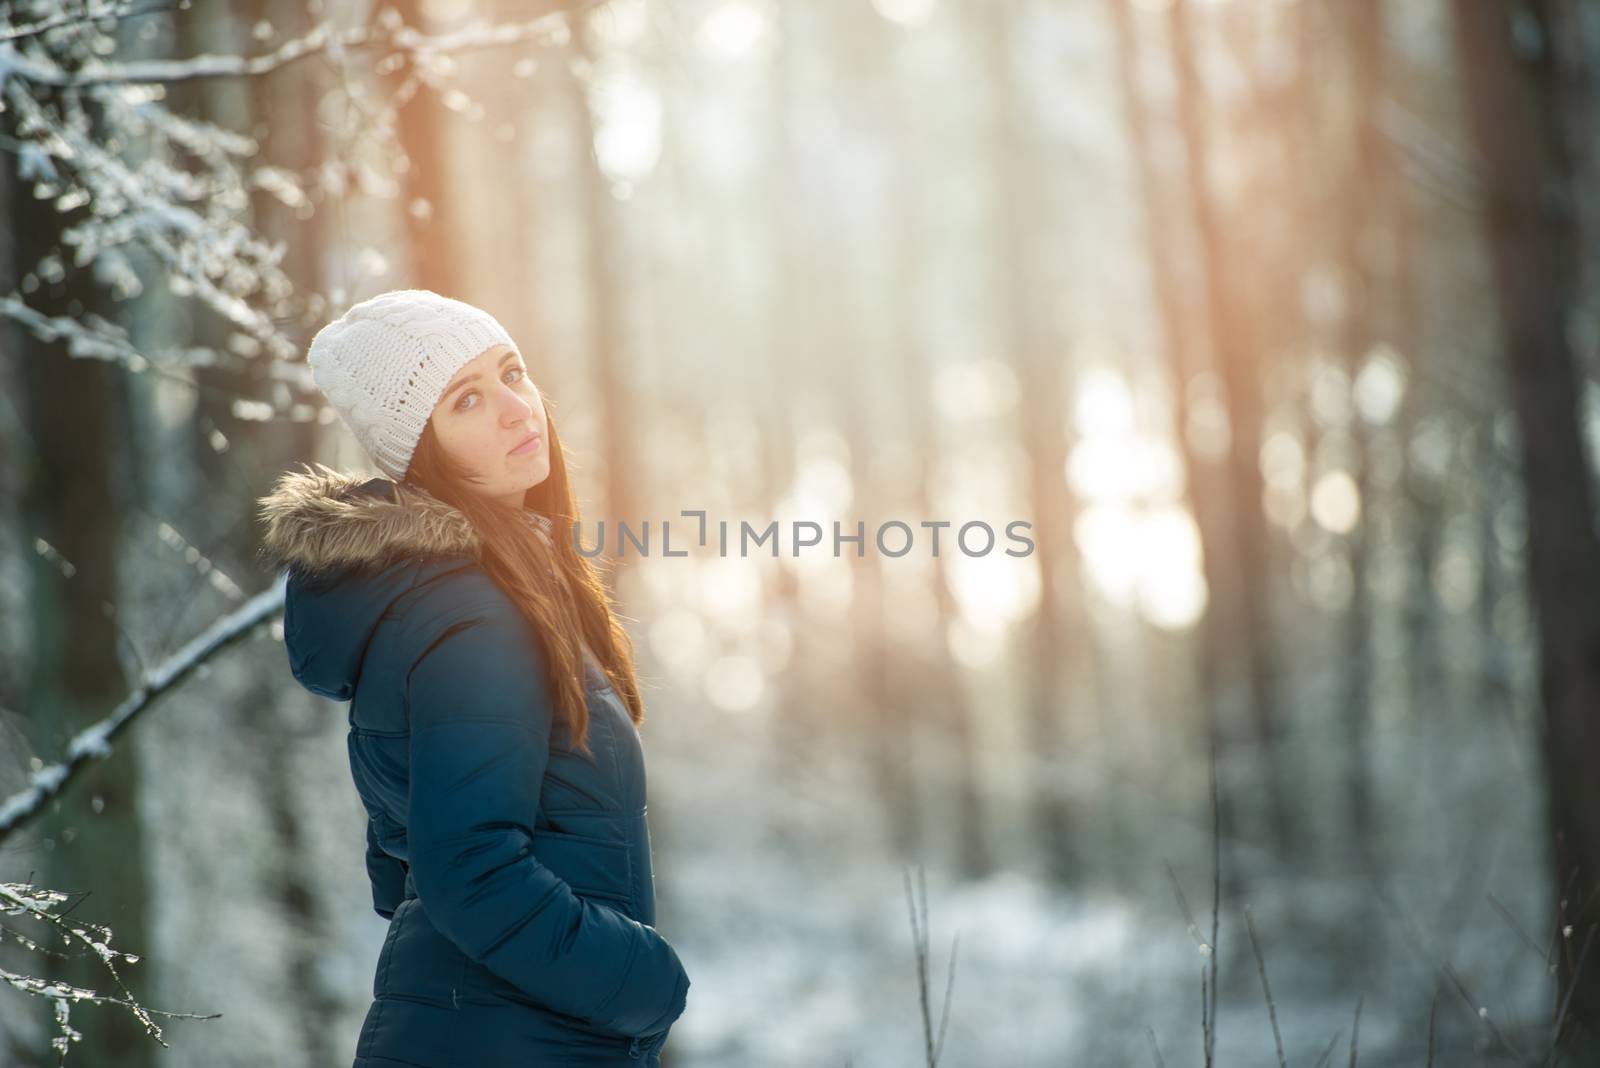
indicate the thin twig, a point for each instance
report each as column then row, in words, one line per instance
column 1511, row 922
column 933, row 1047
column 1183, row 906
column 1155, row 1050
column 949, row 984
column 1479, row 1012
column 1557, row 922
column 39, row 903
column 28, row 985
column 1327, row 1051
column 1566, row 1002
column 1261, row 969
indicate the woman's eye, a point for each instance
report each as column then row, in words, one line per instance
column 461, row 402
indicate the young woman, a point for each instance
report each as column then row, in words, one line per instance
column 493, row 705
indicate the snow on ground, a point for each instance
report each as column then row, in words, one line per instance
column 791, row 919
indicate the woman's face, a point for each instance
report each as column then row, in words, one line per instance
column 487, row 411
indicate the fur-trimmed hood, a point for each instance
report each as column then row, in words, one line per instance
column 353, row 546
column 320, row 521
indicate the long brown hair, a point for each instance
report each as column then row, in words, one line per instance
column 558, row 590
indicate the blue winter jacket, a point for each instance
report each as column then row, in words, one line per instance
column 515, row 871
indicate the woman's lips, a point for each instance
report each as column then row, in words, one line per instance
column 527, row 446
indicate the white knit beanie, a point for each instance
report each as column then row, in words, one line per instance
column 384, row 363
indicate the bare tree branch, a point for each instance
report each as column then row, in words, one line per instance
column 94, row 741
column 322, row 38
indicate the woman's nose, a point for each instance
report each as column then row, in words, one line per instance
column 513, row 409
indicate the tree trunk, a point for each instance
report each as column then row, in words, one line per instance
column 926, row 677
column 295, row 143
column 230, row 477
column 1517, row 93
column 1203, row 486
column 1366, row 187
column 76, row 478
column 1057, row 634
column 796, row 733
column 617, row 457
column 433, row 226
column 1242, row 606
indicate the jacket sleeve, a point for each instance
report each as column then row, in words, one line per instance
column 388, row 876
column 480, row 731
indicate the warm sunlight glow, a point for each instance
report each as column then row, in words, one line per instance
column 1140, row 546
column 728, row 587
column 734, row 683
column 1380, row 386
column 774, row 644
column 679, row 641
column 1205, row 423
column 1147, row 558
column 973, row 647
column 732, row 32
column 1283, row 460
column 627, row 139
column 822, row 487
column 824, row 583
column 620, row 23
column 994, row 590
column 974, row 389
column 1172, row 585
column 1104, row 468
column 905, row 12
column 1336, row 502
column 1104, row 403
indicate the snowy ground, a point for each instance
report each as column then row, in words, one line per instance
column 796, row 934
column 775, row 885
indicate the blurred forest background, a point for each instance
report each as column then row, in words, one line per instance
column 1277, row 319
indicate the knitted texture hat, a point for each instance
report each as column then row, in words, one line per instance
column 384, row 363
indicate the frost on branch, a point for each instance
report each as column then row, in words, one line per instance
column 146, row 194
column 44, row 907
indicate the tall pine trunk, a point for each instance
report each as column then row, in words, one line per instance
column 74, row 499
column 1242, row 602
column 1057, row 631
column 1203, row 486
column 1517, row 95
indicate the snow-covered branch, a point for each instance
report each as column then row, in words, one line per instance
column 147, row 195
column 111, row 13
column 388, row 32
column 40, row 904
column 94, row 741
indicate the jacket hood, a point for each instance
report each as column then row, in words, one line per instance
column 352, row 545
column 320, row 522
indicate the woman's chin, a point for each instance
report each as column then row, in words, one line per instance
column 530, row 476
